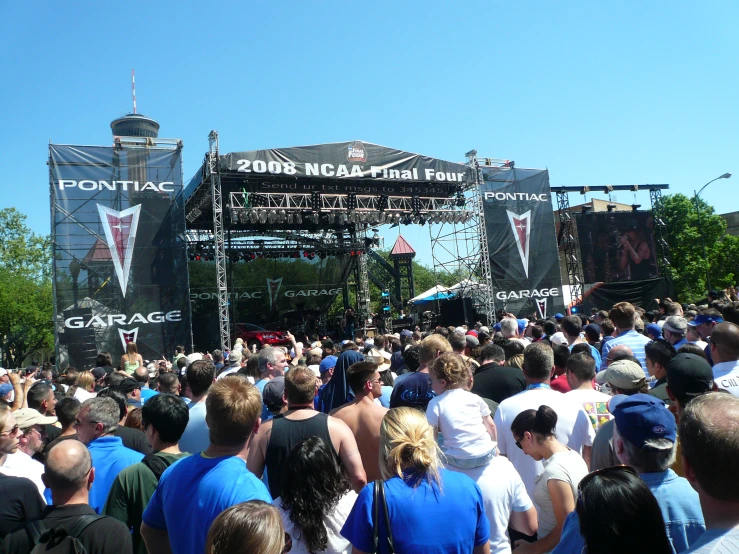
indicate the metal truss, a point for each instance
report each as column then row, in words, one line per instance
column 363, row 291
column 459, row 248
column 571, row 247
column 344, row 208
column 663, row 249
column 214, row 174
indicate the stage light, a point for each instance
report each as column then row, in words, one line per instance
column 660, row 223
column 315, row 201
column 298, row 219
column 262, row 216
column 611, row 207
column 574, row 309
column 382, row 202
column 351, row 201
column 635, row 207
column 253, row 217
column 416, row 204
column 290, row 219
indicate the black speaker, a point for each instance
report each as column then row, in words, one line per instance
column 453, row 312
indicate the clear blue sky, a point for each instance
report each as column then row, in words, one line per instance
column 598, row 92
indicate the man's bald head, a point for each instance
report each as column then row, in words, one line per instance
column 67, row 466
column 725, row 342
column 619, row 352
column 141, row 374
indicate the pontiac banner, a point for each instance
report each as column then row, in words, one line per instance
column 120, row 259
column 522, row 243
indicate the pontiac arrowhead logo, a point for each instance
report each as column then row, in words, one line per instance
column 273, row 286
column 521, row 225
column 541, row 305
column 128, row 336
column 120, row 232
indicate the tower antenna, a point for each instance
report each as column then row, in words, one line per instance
column 133, row 90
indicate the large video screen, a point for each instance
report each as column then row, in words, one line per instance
column 617, row 246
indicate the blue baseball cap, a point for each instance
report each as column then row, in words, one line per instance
column 642, row 417
column 701, row 319
column 5, row 388
column 654, row 330
column 496, row 327
column 558, row 316
column 521, row 325
column 327, row 363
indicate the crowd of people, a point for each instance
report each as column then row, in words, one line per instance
column 605, row 433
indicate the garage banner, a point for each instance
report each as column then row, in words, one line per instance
column 120, row 259
column 521, row 240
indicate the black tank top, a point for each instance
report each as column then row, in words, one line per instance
column 286, row 435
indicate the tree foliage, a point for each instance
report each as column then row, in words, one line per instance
column 689, row 266
column 26, row 304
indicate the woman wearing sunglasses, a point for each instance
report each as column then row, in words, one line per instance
column 556, row 488
column 634, row 522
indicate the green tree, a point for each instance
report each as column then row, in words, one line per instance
column 688, row 263
column 26, row 305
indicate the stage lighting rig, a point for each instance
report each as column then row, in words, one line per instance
column 416, row 204
column 382, row 202
column 315, row 201
column 351, row 201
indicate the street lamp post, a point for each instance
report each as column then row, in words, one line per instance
column 700, row 225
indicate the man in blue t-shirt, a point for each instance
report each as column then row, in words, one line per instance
column 193, row 491
column 414, row 389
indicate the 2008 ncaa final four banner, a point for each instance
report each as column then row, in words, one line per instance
column 120, row 260
column 522, row 243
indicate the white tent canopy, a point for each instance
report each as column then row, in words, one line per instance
column 433, row 291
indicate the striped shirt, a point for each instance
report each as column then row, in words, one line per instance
column 633, row 340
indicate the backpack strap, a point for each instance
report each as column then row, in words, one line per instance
column 83, row 523
column 35, row 529
column 156, row 464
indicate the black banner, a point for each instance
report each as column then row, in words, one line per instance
column 346, row 160
column 617, row 246
column 522, row 243
column 284, row 293
column 120, row 260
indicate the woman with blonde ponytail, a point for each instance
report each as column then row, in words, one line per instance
column 420, row 496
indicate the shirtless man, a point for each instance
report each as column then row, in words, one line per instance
column 363, row 416
column 277, row 437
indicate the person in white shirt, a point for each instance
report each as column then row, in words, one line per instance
column 21, row 463
column 724, row 343
column 573, row 424
column 461, row 417
column 580, row 375
column 200, row 376
column 555, row 491
column 316, row 500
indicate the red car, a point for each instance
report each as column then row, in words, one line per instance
column 253, row 335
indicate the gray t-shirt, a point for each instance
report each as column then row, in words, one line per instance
column 562, row 466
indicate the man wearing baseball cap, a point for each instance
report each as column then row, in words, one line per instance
column 21, row 463
column 645, row 438
column 674, row 330
column 326, row 371
column 704, row 323
column 623, row 377
column 273, row 396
